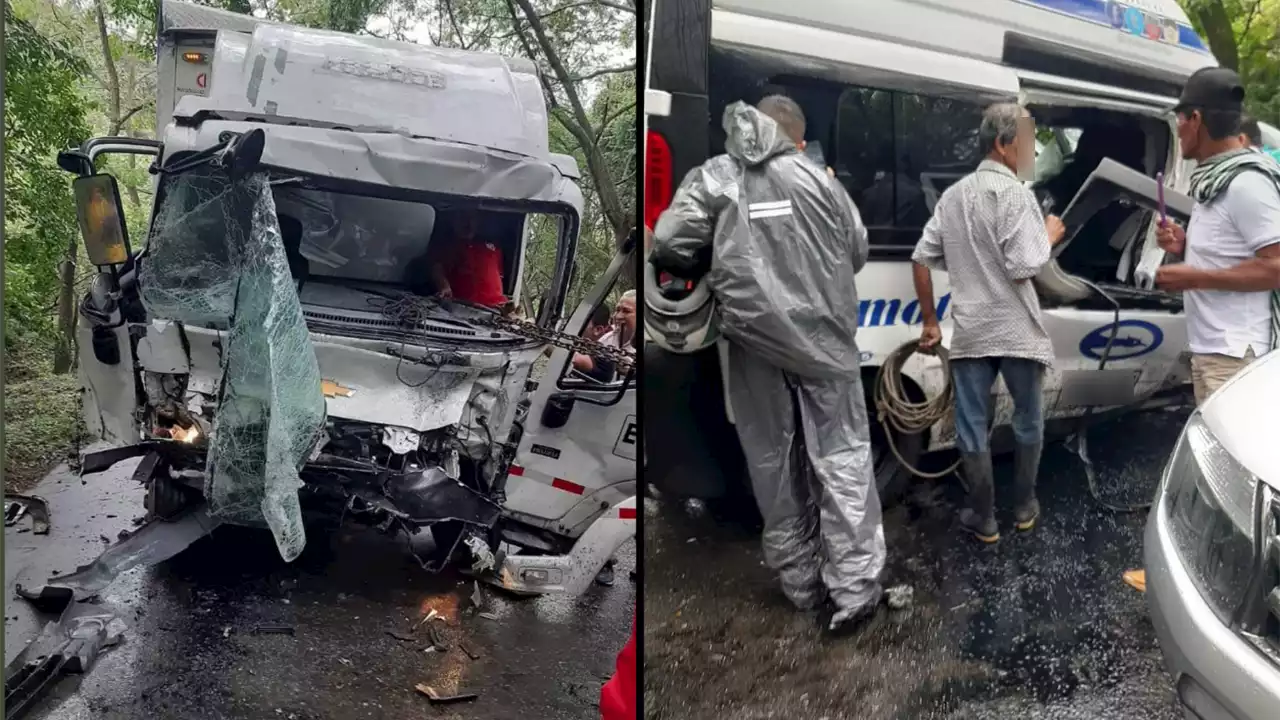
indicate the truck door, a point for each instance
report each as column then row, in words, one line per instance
column 579, row 449
column 106, row 354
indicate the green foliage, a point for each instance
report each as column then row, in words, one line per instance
column 42, row 426
column 1243, row 35
column 44, row 113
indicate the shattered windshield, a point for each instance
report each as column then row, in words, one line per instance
column 215, row 258
column 348, row 251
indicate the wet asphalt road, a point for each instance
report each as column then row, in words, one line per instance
column 1039, row 627
column 189, row 651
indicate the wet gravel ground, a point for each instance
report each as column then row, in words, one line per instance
column 190, row 652
column 1040, row 626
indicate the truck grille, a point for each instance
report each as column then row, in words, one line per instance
column 363, row 321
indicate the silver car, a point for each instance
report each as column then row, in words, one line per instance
column 1213, row 552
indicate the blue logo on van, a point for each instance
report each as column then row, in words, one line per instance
column 1134, row 338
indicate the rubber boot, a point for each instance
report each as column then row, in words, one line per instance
column 1026, row 467
column 979, row 519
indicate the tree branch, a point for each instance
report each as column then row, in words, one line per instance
column 580, row 128
column 529, row 51
column 617, row 6
column 610, row 117
column 453, row 20
column 125, row 118
column 604, row 71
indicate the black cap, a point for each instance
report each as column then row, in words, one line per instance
column 1212, row 89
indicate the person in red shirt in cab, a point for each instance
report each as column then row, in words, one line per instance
column 467, row 266
column 618, row 696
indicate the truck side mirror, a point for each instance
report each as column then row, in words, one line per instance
column 106, row 238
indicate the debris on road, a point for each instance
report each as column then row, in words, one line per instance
column 17, row 507
column 273, row 630
column 468, row 651
column 437, row 640
column 477, row 598
column 425, row 619
column 402, row 637
column 68, row 646
column 488, row 616
column 899, row 597
column 436, row 697
column 153, row 543
column 483, row 559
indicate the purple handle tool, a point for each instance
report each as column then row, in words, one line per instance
column 1160, row 195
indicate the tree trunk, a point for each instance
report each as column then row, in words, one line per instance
column 63, row 352
column 578, row 123
column 1216, row 23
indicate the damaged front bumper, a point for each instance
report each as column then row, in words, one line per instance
column 406, row 501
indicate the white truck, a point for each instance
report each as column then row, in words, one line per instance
column 274, row 348
column 893, row 92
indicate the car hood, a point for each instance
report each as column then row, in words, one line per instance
column 1244, row 414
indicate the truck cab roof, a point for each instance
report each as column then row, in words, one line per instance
column 273, row 72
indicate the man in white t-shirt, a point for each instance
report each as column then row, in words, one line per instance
column 1230, row 273
column 1231, row 249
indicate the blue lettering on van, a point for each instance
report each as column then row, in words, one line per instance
column 885, row 313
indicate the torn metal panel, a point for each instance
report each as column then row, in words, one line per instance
column 401, row 440
column 69, row 646
column 154, row 542
column 215, row 260
column 394, row 391
column 431, row 496
column 359, row 380
column 160, row 349
column 109, row 391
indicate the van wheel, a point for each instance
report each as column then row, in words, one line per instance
column 892, row 478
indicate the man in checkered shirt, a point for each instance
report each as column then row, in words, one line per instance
column 988, row 234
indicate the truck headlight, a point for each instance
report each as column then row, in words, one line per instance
column 1212, row 511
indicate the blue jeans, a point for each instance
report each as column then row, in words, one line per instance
column 972, row 378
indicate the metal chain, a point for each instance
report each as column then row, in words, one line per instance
column 412, row 311
column 567, row 341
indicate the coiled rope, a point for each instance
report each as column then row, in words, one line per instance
column 898, row 413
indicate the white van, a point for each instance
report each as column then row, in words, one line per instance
column 893, row 91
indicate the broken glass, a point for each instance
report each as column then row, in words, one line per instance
column 215, row 259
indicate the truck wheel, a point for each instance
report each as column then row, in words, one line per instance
column 892, row 478
column 165, row 498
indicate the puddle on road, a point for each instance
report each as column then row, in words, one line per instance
column 1039, row 626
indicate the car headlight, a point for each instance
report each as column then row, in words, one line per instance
column 1212, row 511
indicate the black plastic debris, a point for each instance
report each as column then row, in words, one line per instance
column 437, row 640
column 274, row 630
column 468, row 650
column 16, row 507
column 154, row 542
column 69, row 646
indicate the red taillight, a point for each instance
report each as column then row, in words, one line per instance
column 657, row 178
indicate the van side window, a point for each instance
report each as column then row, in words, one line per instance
column 896, row 152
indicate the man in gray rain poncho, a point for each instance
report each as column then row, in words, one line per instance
column 781, row 241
